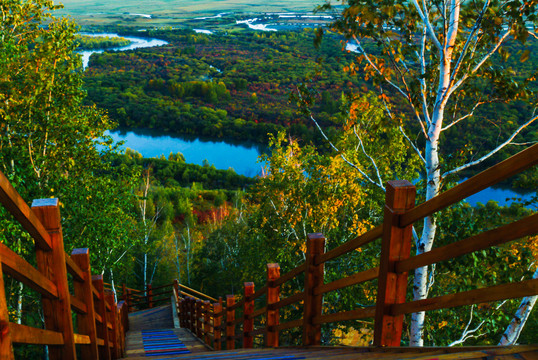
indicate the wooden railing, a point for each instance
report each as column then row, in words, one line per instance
column 215, row 323
column 152, row 296
column 101, row 323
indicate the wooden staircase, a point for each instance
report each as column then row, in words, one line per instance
column 100, row 329
column 160, row 320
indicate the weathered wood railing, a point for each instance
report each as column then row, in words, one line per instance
column 101, row 323
column 215, row 323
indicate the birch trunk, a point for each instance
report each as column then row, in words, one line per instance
column 517, row 324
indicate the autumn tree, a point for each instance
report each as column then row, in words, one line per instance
column 439, row 63
column 53, row 145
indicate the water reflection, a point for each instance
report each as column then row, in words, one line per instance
column 240, row 157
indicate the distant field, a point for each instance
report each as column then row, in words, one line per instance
column 171, row 12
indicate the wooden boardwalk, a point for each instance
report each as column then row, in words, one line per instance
column 148, row 325
column 154, row 335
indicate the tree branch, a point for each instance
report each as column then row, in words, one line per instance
column 427, row 23
column 491, row 153
column 413, row 145
column 480, row 63
column 369, row 157
column 343, row 156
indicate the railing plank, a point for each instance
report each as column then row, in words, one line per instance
column 290, row 274
column 82, row 339
column 350, row 245
column 501, row 235
column 288, row 301
column 477, row 296
column 79, row 306
column 354, row 279
column 237, row 305
column 262, row 291
column 23, row 334
column 290, row 324
column 257, row 313
column 15, row 204
column 356, row 314
column 73, row 269
column 18, row 268
column 198, row 293
column 495, row 174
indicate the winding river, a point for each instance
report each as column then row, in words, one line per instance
column 242, row 158
column 136, row 43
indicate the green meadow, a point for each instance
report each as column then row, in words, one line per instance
column 171, row 12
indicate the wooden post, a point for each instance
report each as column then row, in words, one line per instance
column 248, row 324
column 313, row 278
column 149, row 296
column 183, row 313
column 109, row 296
column 102, row 329
column 6, row 351
column 122, row 326
column 217, row 322
column 178, row 302
column 207, row 320
column 123, row 292
column 193, row 315
column 273, row 296
column 230, row 326
column 128, row 301
column 199, row 318
column 83, row 291
column 396, row 246
column 51, row 264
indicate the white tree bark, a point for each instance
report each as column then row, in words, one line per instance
column 513, row 330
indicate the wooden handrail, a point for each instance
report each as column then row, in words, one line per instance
column 198, row 293
column 395, row 234
column 16, row 206
column 50, row 279
column 492, row 176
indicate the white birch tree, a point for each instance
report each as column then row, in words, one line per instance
column 436, row 59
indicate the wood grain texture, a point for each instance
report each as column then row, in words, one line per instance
column 100, row 308
column 291, row 274
column 495, row 174
column 313, row 280
column 6, row 351
column 52, row 265
column 16, row 206
column 354, row 279
column 396, row 246
column 18, row 268
column 478, row 296
column 83, row 290
column 345, row 315
column 248, row 309
column 217, row 307
column 230, row 318
column 350, row 245
column 73, row 269
column 273, row 296
column 207, row 297
column 501, row 235
column 29, row 335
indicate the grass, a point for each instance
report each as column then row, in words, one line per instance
column 171, row 12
